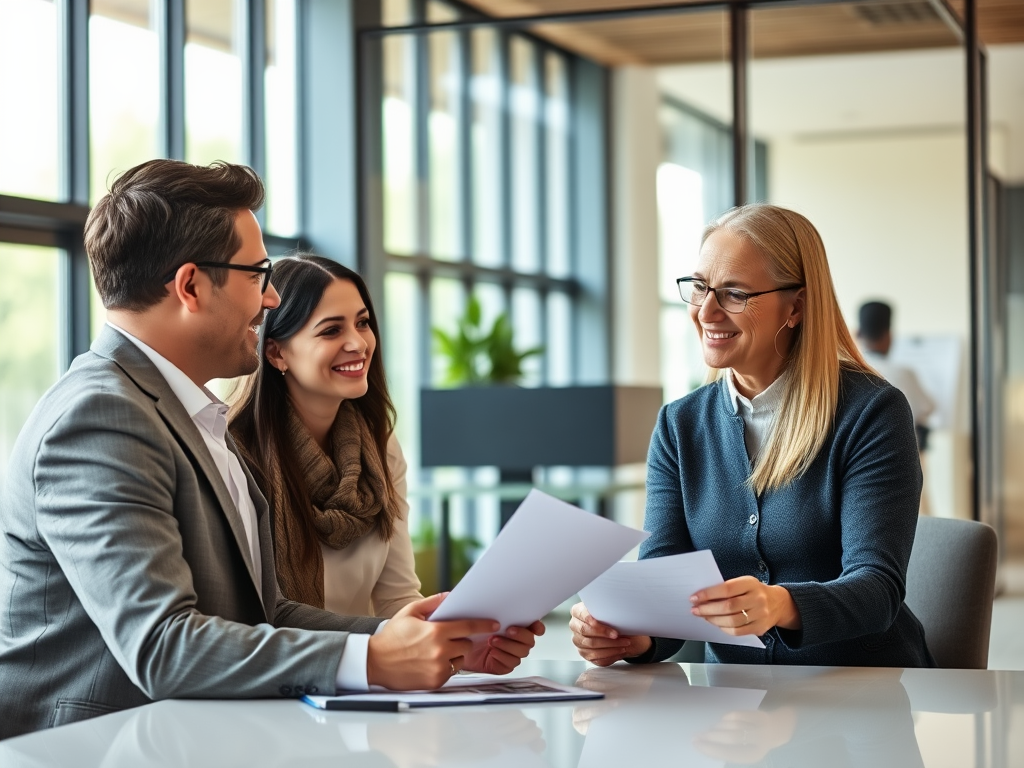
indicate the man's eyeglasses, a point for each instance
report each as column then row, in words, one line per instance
column 695, row 291
column 265, row 270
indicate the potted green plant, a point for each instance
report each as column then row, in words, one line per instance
column 477, row 419
column 478, row 356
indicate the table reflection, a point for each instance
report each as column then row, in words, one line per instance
column 749, row 716
column 197, row 734
column 664, row 714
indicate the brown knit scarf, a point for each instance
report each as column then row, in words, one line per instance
column 350, row 497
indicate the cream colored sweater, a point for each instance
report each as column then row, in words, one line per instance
column 371, row 577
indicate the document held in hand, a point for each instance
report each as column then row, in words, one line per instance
column 652, row 597
column 546, row 553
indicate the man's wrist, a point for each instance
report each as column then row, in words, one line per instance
column 353, row 669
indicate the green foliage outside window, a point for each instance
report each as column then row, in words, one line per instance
column 28, row 327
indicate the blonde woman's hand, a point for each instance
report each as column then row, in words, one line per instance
column 746, row 606
column 602, row 644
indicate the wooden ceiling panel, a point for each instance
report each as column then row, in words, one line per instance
column 676, row 38
column 879, row 25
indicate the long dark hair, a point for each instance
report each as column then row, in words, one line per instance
column 259, row 415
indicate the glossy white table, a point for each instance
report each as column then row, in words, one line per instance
column 667, row 714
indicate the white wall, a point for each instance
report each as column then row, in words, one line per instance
column 891, row 209
column 636, row 153
column 636, row 346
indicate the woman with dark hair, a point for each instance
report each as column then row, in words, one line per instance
column 314, row 423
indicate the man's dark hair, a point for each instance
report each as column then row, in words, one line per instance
column 875, row 320
column 160, row 215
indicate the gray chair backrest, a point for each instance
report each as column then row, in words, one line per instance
column 950, row 586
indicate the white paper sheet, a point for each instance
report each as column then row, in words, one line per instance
column 546, row 553
column 652, row 597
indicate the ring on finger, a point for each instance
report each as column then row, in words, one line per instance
column 745, row 615
column 451, row 665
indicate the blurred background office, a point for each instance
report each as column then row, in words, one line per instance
column 558, row 172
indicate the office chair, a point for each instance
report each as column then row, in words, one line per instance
column 950, row 586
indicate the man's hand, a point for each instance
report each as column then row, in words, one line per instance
column 500, row 654
column 411, row 653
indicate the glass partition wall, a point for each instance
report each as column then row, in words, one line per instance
column 474, row 164
column 491, row 174
column 863, row 116
column 831, row 108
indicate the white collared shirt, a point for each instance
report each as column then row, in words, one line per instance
column 758, row 414
column 209, row 415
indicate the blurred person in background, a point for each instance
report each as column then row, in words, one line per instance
column 875, row 337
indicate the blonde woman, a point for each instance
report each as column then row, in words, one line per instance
column 796, row 466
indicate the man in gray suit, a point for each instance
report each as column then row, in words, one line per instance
column 136, row 560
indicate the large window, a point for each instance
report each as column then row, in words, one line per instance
column 28, row 323
column 694, row 187
column 29, row 85
column 90, row 89
column 124, row 102
column 476, row 159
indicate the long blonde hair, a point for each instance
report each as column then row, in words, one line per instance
column 822, row 345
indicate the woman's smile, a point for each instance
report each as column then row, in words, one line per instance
column 354, row 369
column 718, row 338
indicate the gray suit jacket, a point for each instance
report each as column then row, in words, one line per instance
column 124, row 571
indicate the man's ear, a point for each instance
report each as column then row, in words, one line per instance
column 272, row 351
column 183, row 287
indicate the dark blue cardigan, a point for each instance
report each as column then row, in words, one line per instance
column 838, row 537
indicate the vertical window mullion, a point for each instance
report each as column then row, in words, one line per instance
column 421, row 130
column 252, row 18
column 505, row 143
column 170, row 27
column 541, row 177
column 540, row 195
column 73, row 271
column 425, row 324
column 542, row 308
column 572, row 231
column 465, row 140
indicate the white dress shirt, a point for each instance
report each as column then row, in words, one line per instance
column 209, row 414
column 758, row 414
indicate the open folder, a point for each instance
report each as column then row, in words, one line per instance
column 461, row 689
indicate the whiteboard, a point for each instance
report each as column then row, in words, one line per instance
column 936, row 360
